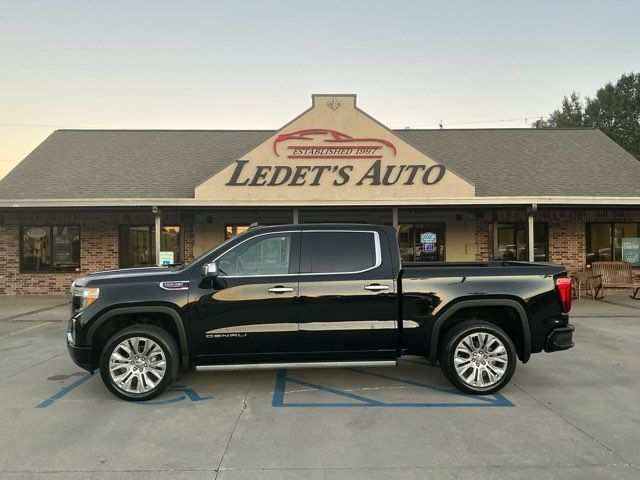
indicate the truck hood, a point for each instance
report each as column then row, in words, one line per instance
column 130, row 274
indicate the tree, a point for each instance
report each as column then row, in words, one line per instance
column 569, row 115
column 615, row 110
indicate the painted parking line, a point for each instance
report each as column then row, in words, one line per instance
column 187, row 393
column 49, row 401
column 282, row 378
column 32, row 327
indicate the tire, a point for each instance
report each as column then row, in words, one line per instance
column 139, row 377
column 474, row 376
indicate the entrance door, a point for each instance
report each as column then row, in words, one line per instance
column 347, row 295
column 249, row 310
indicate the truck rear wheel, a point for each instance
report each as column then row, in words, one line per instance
column 139, row 362
column 478, row 357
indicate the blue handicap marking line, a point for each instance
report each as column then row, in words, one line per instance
column 189, row 393
column 160, row 402
column 335, row 391
column 495, row 400
column 64, row 391
column 279, row 388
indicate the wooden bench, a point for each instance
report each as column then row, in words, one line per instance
column 614, row 275
column 582, row 279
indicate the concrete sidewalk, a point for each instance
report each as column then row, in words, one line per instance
column 615, row 304
column 51, row 308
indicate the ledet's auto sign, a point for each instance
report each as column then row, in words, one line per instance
column 331, row 155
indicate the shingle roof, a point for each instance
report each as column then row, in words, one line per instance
column 170, row 163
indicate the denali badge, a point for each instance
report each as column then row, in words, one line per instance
column 175, row 285
column 225, row 335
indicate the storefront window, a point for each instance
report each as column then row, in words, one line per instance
column 137, row 245
column 50, row 249
column 605, row 241
column 513, row 243
column 422, row 242
column 231, row 231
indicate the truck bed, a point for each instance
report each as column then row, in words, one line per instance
column 478, row 269
column 432, row 291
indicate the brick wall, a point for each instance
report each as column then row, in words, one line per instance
column 98, row 247
column 189, row 237
column 484, row 250
column 567, row 231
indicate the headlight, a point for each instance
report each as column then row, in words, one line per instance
column 83, row 297
column 89, row 295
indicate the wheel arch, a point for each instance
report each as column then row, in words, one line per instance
column 141, row 310
column 449, row 315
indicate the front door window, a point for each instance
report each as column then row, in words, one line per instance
column 264, row 255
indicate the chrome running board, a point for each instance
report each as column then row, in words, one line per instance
column 271, row 366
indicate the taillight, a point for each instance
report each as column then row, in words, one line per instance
column 563, row 285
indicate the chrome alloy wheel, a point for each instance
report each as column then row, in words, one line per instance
column 480, row 359
column 137, row 365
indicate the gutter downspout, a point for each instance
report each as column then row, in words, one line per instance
column 530, row 213
column 494, row 221
column 158, row 225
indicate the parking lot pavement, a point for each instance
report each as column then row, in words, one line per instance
column 570, row 414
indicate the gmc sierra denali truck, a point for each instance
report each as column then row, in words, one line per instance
column 323, row 295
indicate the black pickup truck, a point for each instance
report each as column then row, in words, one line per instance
column 323, row 295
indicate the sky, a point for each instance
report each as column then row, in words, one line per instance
column 255, row 64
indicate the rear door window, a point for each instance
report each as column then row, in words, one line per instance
column 339, row 252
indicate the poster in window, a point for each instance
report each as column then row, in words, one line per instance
column 428, row 237
column 166, row 257
column 631, row 251
column 62, row 249
column 37, row 232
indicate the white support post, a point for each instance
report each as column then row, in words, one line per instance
column 296, row 218
column 495, row 239
column 158, row 226
column 530, row 213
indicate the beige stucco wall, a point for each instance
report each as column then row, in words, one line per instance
column 354, row 122
column 459, row 232
column 209, row 228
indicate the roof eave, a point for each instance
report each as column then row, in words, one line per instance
column 390, row 202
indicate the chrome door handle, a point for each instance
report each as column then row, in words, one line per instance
column 280, row 289
column 376, row 288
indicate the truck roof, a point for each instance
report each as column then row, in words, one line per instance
column 322, row 226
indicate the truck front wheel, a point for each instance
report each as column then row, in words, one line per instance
column 478, row 357
column 139, row 362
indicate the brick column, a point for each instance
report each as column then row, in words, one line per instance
column 484, row 251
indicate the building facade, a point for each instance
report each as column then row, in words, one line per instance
column 88, row 200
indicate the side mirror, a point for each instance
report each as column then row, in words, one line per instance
column 210, row 270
